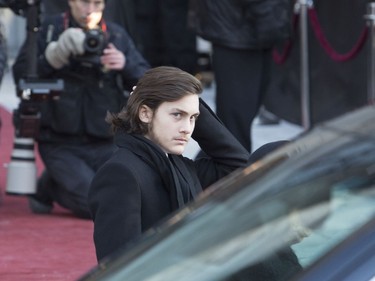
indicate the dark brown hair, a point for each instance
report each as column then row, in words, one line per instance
column 158, row 85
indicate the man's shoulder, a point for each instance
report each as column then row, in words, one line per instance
column 129, row 163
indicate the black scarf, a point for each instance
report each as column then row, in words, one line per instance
column 176, row 178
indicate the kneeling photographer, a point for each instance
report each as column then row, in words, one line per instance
column 98, row 62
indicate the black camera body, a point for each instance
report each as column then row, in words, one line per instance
column 94, row 44
column 95, row 41
column 26, row 120
column 33, row 91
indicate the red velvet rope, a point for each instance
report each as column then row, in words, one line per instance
column 281, row 58
column 326, row 45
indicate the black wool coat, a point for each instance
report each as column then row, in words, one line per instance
column 136, row 188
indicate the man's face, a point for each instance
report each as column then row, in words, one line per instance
column 172, row 124
column 87, row 13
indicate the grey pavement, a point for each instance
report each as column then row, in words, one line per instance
column 261, row 134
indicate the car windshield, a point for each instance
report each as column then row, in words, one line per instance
column 269, row 227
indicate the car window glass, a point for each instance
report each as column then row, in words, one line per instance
column 252, row 235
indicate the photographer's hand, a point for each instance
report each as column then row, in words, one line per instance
column 112, row 58
column 69, row 43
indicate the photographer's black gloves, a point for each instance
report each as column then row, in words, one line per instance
column 70, row 43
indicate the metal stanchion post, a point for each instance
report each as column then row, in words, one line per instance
column 370, row 17
column 303, row 6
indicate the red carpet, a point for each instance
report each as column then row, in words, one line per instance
column 38, row 247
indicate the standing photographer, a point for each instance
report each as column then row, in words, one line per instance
column 97, row 61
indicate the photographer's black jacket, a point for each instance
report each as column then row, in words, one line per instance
column 78, row 115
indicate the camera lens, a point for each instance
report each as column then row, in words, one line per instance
column 94, row 41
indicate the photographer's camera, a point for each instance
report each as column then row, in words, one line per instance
column 94, row 44
column 26, row 120
column 94, row 41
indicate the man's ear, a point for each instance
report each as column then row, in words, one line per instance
column 145, row 114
